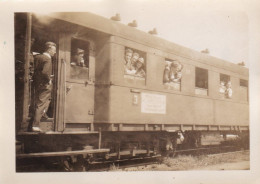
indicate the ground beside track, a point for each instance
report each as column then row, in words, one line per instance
column 230, row 161
column 243, row 165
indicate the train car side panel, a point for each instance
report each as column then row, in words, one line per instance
column 79, row 103
column 154, row 71
column 188, row 79
column 229, row 113
column 235, row 88
column 177, row 109
column 213, row 84
column 102, row 83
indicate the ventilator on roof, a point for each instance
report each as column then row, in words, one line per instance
column 153, row 32
column 116, row 17
column 133, row 24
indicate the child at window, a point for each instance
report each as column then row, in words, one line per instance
column 222, row 87
column 175, row 72
column 139, row 67
column 129, row 69
column 229, row 90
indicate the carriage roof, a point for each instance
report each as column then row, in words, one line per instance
column 115, row 28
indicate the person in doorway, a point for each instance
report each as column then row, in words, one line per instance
column 43, row 85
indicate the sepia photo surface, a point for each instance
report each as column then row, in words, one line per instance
column 122, row 89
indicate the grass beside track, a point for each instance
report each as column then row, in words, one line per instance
column 188, row 162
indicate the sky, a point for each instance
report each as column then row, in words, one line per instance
column 220, row 26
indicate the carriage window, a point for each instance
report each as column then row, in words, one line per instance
column 79, row 59
column 134, row 64
column 172, row 74
column 225, row 88
column 201, row 81
column 243, row 91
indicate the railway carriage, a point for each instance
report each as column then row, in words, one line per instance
column 103, row 107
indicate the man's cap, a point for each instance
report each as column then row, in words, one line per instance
column 135, row 54
column 229, row 83
column 175, row 64
column 80, row 51
column 128, row 51
column 50, row 44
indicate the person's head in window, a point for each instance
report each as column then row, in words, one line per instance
column 229, row 90
column 134, row 58
column 201, row 81
column 228, row 84
column 79, row 58
column 140, row 63
column 128, row 55
column 179, row 67
column 222, row 87
column 139, row 67
column 175, row 71
column 80, row 52
column 176, row 67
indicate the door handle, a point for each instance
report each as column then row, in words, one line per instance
column 91, row 112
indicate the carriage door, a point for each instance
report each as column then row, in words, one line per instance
column 78, row 68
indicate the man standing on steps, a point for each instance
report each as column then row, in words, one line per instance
column 43, row 85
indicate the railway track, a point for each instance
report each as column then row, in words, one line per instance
column 206, row 150
column 146, row 161
column 211, row 155
column 143, row 161
column 123, row 164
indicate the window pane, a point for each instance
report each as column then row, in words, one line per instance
column 243, row 90
column 201, row 78
column 172, row 74
column 79, row 59
column 134, row 64
column 225, row 88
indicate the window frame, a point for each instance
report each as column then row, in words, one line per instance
column 204, row 91
column 133, row 76
column 243, row 86
column 172, row 84
column 207, row 75
column 86, row 56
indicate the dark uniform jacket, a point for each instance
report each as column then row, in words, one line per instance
column 43, row 70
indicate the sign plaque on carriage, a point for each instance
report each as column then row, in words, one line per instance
column 153, row 103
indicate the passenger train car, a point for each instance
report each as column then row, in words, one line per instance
column 113, row 104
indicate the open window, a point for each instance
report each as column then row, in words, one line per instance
column 172, row 74
column 201, row 81
column 79, row 59
column 243, row 91
column 134, row 64
column 225, row 88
